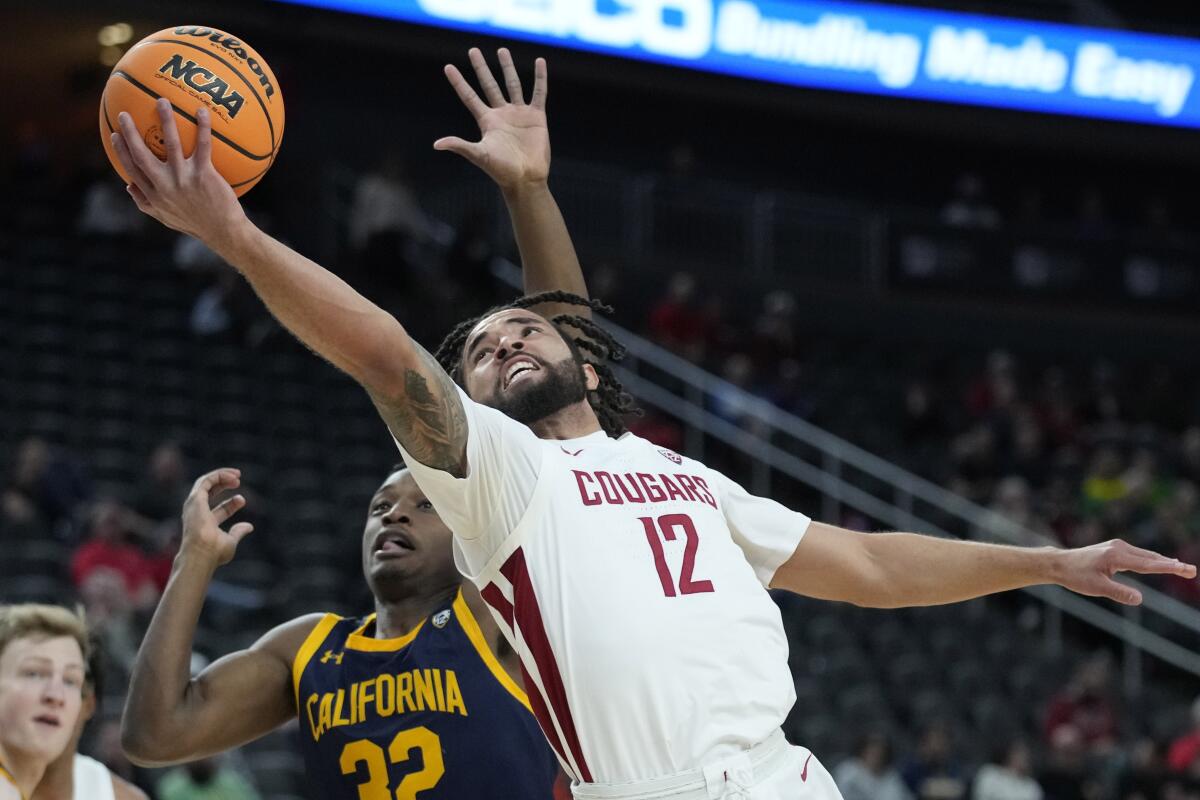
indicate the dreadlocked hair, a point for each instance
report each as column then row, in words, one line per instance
column 594, row 346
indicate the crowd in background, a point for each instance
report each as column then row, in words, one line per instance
column 1076, row 453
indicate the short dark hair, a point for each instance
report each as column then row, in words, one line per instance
column 595, row 346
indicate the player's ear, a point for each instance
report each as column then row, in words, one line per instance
column 591, row 379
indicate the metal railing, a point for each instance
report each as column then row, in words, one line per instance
column 775, row 440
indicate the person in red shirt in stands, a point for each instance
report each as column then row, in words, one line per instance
column 110, row 546
column 1184, row 755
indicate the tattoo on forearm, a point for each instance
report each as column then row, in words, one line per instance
column 428, row 416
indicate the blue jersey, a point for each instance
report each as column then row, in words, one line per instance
column 429, row 716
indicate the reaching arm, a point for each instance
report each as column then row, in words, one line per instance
column 894, row 570
column 514, row 151
column 170, row 716
column 414, row 395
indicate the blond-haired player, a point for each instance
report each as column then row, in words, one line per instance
column 43, row 651
column 630, row 581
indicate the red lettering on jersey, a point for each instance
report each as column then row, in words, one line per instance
column 708, row 496
column 672, row 490
column 689, row 486
column 588, row 500
column 653, row 490
column 610, row 491
column 639, row 498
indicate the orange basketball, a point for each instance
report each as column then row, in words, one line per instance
column 192, row 66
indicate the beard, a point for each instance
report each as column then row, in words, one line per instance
column 562, row 385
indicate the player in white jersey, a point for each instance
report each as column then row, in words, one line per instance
column 630, row 581
column 74, row 776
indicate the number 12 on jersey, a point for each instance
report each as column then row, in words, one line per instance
column 668, row 524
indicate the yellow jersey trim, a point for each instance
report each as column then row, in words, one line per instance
column 471, row 628
column 311, row 644
column 4, row 773
column 357, row 641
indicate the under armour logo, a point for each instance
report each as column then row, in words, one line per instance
column 568, row 452
column 330, row 656
column 672, row 456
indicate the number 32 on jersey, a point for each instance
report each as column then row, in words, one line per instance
column 371, row 755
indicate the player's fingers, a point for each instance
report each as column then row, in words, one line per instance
column 202, row 155
column 134, row 172
column 228, row 508
column 1121, row 593
column 139, row 199
column 541, row 84
column 1154, row 564
column 512, row 81
column 464, row 91
column 240, row 531
column 170, row 133
column 139, row 154
column 471, row 151
column 491, row 89
column 224, row 478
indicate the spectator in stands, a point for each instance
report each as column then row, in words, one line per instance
column 731, row 402
column 207, row 779
column 1012, row 502
column 1009, row 776
column 869, row 774
column 677, row 322
column 1055, row 408
column 112, row 545
column 1104, row 482
column 1184, row 755
column 1086, row 706
column 775, row 337
column 45, row 487
column 164, row 486
column 969, row 206
column 789, row 389
column 933, row 772
column 1142, row 776
column 1065, row 775
column 111, row 621
column 385, row 219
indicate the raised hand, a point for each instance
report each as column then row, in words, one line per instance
column 183, row 193
column 202, row 532
column 514, row 146
column 1090, row 570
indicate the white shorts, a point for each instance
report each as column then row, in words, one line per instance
column 772, row 770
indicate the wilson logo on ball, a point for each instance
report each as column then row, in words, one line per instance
column 205, row 82
column 234, row 46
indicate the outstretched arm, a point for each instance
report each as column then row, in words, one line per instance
column 171, row 716
column 415, row 396
column 894, row 570
column 514, row 151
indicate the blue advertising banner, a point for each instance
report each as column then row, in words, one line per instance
column 855, row 47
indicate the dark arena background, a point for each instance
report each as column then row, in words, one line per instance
column 920, row 310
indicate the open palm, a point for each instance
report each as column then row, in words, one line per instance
column 514, row 147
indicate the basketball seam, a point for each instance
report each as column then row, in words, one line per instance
column 249, row 85
column 136, row 83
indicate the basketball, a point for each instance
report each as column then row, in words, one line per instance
column 194, row 66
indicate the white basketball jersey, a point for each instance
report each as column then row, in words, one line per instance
column 630, row 581
column 92, row 779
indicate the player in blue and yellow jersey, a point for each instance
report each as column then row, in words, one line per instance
column 411, row 701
